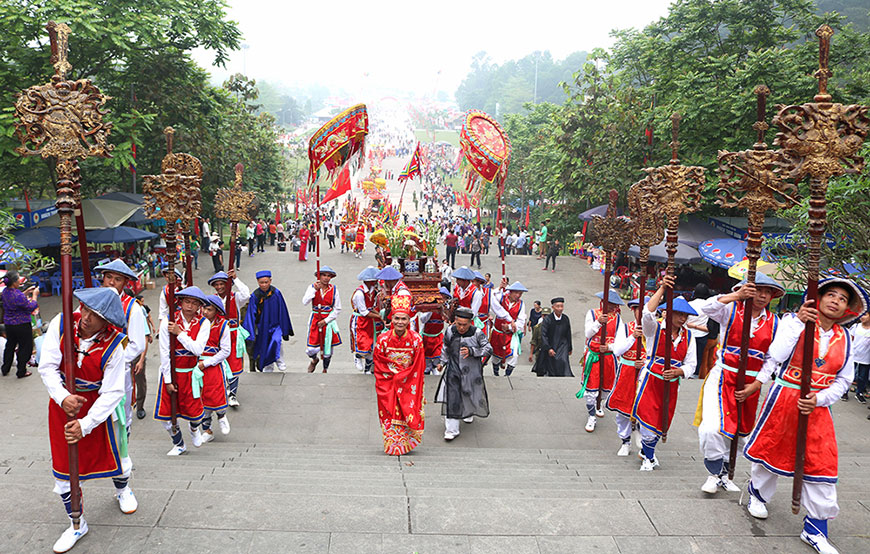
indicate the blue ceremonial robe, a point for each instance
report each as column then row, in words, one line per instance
column 267, row 323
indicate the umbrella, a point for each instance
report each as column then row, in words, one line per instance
column 38, row 237
column 738, row 270
column 9, row 254
column 130, row 197
column 685, row 254
column 98, row 214
column 120, row 234
column 138, row 218
column 379, row 237
column 597, row 210
column 694, row 231
column 724, row 252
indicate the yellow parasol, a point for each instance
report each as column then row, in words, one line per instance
column 738, row 270
column 379, row 238
column 380, row 182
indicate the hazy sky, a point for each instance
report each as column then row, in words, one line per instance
column 382, row 45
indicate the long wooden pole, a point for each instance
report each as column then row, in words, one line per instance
column 170, row 301
column 188, row 257
column 671, row 247
column 66, row 171
column 80, row 228
column 602, row 336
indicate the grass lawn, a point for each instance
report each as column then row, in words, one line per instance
column 446, row 135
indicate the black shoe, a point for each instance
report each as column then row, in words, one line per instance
column 140, row 413
column 860, row 398
column 845, row 397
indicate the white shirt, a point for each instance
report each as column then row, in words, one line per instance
column 137, row 330
column 446, row 272
column 111, row 389
column 860, row 344
column 650, row 330
column 193, row 345
column 336, row 306
column 243, row 294
column 592, row 328
column 206, row 230
column 787, row 336
column 700, row 319
column 721, row 313
column 358, row 300
column 224, row 351
column 496, row 307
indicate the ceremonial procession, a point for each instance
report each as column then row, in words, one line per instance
column 696, row 166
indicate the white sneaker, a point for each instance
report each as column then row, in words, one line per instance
column 469, row 419
column 818, row 542
column 207, row 436
column 224, row 424
column 71, row 536
column 711, row 485
column 231, row 400
column 599, row 413
column 590, row 424
column 728, row 484
column 196, row 437
column 127, row 500
column 624, row 450
column 647, row 465
column 282, row 367
column 177, row 451
column 448, row 436
column 757, row 509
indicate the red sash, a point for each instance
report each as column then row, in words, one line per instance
column 621, row 399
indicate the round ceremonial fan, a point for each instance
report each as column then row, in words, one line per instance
column 486, row 150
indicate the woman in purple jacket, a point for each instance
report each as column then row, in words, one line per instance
column 17, row 307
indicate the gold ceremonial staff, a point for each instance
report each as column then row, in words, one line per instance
column 63, row 120
column 177, row 199
column 819, row 140
column 750, row 180
column 233, row 204
column 676, row 189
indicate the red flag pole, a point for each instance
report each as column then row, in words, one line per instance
column 317, row 244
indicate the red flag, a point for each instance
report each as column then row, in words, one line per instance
column 527, row 217
column 339, row 187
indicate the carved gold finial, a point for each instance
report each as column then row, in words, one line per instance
column 823, row 73
column 58, row 34
column 169, row 134
column 613, row 232
column 233, row 204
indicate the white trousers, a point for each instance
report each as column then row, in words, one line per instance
column 509, row 361
column 360, row 361
column 819, row 499
column 713, row 445
column 623, row 426
column 128, row 394
column 451, row 425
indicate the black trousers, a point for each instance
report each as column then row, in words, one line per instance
column 21, row 337
column 547, row 262
column 331, row 240
column 261, row 243
column 451, row 256
column 473, row 256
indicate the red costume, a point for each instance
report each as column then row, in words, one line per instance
column 304, row 237
column 189, row 408
column 99, row 454
column 501, row 336
column 466, row 297
column 400, row 364
column 608, row 360
column 359, row 243
column 650, row 394
column 773, row 441
column 759, row 343
column 214, row 384
column 622, row 398
column 321, row 306
column 362, row 328
column 236, row 362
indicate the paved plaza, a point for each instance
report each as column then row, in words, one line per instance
column 303, row 470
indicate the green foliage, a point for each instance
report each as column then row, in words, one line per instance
column 30, row 261
column 502, row 89
column 139, row 54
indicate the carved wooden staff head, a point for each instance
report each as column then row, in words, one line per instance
column 649, row 228
column 233, row 204
column 613, row 232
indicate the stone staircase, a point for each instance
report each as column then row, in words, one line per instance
column 303, row 471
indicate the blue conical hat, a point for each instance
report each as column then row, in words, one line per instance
column 118, row 266
column 612, row 297
column 105, row 302
column 764, row 280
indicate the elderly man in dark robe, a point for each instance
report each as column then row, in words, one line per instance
column 267, row 322
column 462, row 390
column 555, row 346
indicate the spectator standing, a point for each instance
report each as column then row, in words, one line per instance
column 260, row 234
column 194, row 249
column 698, row 323
column 280, row 230
column 217, row 254
column 552, row 252
column 273, row 232
column 250, row 234
column 17, row 307
column 542, row 240
column 206, row 233
column 861, row 356
column 330, row 233
column 451, row 240
column 475, row 249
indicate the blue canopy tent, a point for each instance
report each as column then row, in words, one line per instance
column 725, row 252
column 120, row 234
column 685, row 254
column 37, row 237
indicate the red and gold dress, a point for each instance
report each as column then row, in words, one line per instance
column 214, row 384
column 362, row 328
column 399, row 367
column 189, row 406
column 236, row 362
column 321, row 306
column 607, row 361
column 501, row 336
